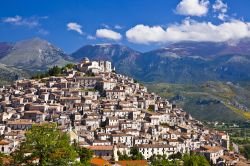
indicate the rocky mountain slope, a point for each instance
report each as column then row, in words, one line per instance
column 32, row 54
column 111, row 52
column 5, row 48
column 8, row 74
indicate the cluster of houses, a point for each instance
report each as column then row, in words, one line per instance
column 108, row 113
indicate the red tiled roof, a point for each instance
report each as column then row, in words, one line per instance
column 211, row 148
column 133, row 162
column 4, row 142
column 101, row 147
column 99, row 162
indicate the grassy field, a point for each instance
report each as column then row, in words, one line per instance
column 242, row 113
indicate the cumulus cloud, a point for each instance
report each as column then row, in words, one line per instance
column 20, row 21
column 108, row 34
column 75, row 27
column 192, row 7
column 220, row 7
column 189, row 30
column 146, row 34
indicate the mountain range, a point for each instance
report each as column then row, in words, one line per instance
column 183, row 62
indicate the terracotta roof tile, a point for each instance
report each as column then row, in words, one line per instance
column 133, row 162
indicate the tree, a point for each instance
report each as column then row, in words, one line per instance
column 246, row 151
column 70, row 66
column 85, row 155
column 47, row 144
column 177, row 155
column 123, row 156
column 157, row 160
column 135, row 154
column 55, row 71
column 1, row 158
column 195, row 160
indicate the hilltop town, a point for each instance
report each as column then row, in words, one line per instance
column 108, row 113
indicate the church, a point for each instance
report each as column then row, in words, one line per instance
column 94, row 66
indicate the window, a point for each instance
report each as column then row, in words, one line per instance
column 2, row 149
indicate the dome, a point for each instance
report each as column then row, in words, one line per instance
column 85, row 60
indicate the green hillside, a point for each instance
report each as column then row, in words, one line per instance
column 212, row 101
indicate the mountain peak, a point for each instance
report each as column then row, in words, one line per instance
column 34, row 41
column 34, row 53
column 106, row 51
column 104, row 44
column 108, row 45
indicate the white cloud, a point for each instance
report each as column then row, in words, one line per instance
column 145, row 34
column 222, row 16
column 118, row 26
column 43, row 31
column 75, row 27
column 192, row 7
column 221, row 8
column 189, row 30
column 108, row 34
column 105, row 26
column 20, row 21
column 15, row 19
column 90, row 37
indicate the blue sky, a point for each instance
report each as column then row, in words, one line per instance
column 140, row 24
